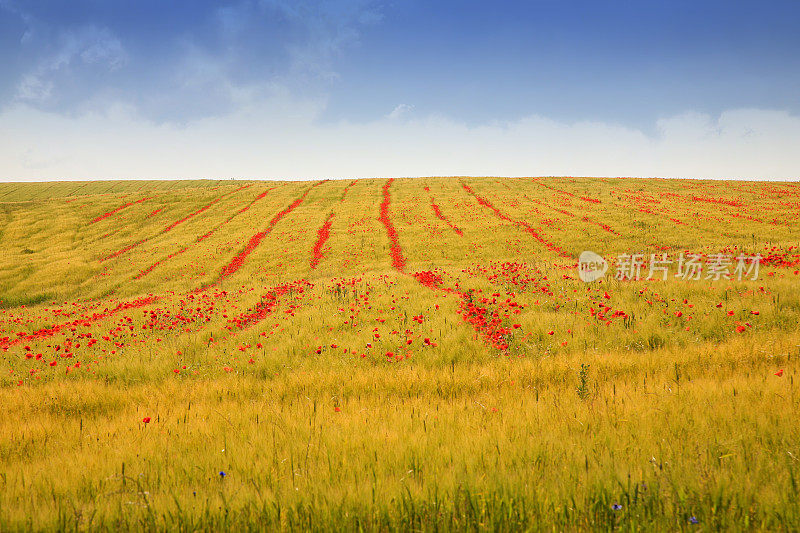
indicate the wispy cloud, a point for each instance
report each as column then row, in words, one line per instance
column 281, row 138
column 400, row 110
column 75, row 52
column 203, row 68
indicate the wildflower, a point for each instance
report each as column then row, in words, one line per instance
column 337, row 409
column 222, row 473
column 616, row 507
column 693, row 520
column 146, row 420
column 740, row 329
column 779, row 373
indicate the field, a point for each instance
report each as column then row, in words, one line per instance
column 397, row 354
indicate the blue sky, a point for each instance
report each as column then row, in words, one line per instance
column 274, row 88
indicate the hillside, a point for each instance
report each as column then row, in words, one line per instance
column 398, row 353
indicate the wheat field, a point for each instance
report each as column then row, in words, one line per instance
column 397, row 354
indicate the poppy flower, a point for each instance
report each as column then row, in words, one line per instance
column 779, row 373
column 146, row 420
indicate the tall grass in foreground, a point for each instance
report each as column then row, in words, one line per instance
column 498, row 444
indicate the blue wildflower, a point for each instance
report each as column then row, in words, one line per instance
column 221, row 473
column 693, row 520
column 616, row 507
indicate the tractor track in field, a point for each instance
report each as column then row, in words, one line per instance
column 118, row 209
column 238, row 260
column 395, row 251
column 171, row 226
column 149, row 269
column 519, row 223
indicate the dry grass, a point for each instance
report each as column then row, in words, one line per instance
column 677, row 414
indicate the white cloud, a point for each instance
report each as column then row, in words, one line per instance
column 33, row 87
column 89, row 45
column 400, row 111
column 329, row 28
column 281, row 138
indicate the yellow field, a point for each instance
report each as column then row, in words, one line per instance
column 397, row 354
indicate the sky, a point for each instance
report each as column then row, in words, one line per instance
column 279, row 89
